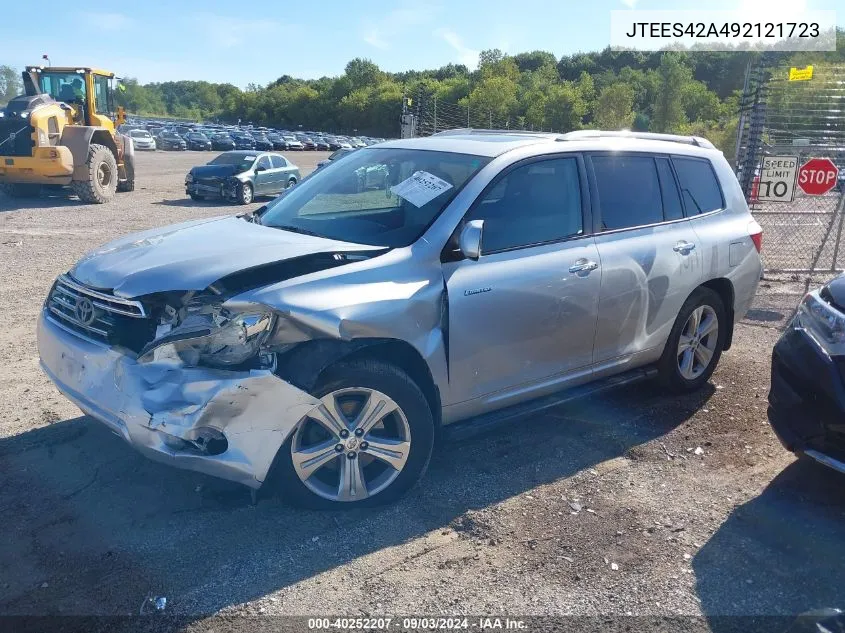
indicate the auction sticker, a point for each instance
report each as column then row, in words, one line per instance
column 421, row 188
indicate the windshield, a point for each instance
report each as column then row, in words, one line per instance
column 381, row 197
column 243, row 161
column 139, row 133
column 198, row 136
column 67, row 86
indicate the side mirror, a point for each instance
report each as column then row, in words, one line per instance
column 469, row 241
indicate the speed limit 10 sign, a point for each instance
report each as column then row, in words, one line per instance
column 777, row 179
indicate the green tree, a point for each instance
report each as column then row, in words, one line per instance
column 614, row 107
column 10, row 83
column 668, row 112
column 493, row 99
column 565, row 108
column 362, row 73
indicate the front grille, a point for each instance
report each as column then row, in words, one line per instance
column 22, row 143
column 98, row 316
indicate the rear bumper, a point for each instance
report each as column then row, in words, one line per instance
column 807, row 399
column 168, row 411
column 48, row 166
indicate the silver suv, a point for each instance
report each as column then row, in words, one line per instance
column 323, row 341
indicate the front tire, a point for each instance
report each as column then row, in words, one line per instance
column 368, row 444
column 196, row 197
column 695, row 343
column 245, row 193
column 100, row 183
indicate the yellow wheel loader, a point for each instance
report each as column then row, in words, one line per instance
column 62, row 132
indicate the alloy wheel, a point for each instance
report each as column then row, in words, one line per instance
column 353, row 446
column 698, row 341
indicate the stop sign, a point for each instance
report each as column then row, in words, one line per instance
column 817, row 176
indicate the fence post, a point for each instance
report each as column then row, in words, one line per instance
column 754, row 140
column 435, row 114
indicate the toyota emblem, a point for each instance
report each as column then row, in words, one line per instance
column 84, row 311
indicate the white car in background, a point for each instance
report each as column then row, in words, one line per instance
column 142, row 139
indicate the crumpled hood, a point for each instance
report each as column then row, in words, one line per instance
column 193, row 255
column 213, row 171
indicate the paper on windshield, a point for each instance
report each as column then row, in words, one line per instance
column 421, row 188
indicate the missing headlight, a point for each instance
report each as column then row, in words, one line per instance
column 206, row 333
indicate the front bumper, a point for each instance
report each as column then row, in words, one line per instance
column 209, row 191
column 807, row 399
column 166, row 410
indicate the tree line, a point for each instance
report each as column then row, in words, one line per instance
column 681, row 92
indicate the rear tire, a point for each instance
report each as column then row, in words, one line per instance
column 21, row 190
column 412, row 420
column 100, row 184
column 682, row 367
column 291, row 183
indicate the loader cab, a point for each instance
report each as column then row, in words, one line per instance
column 88, row 91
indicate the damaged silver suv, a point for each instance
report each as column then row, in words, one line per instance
column 323, row 341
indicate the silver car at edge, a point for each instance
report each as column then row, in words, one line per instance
column 323, row 341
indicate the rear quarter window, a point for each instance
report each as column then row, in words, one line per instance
column 700, row 188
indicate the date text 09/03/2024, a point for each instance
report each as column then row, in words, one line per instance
column 416, row 624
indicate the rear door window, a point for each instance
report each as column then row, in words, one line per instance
column 629, row 190
column 672, row 209
column 699, row 187
column 278, row 162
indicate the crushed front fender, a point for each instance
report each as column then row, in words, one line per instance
column 228, row 424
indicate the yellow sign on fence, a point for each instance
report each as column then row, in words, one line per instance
column 801, row 74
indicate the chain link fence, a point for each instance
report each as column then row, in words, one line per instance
column 803, row 119
column 432, row 115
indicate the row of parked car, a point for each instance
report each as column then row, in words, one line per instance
column 152, row 136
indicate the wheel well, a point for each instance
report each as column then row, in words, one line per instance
column 305, row 364
column 725, row 289
column 102, row 137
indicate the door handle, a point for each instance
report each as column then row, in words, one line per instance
column 583, row 266
column 684, row 247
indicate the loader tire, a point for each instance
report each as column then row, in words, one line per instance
column 101, row 182
column 21, row 190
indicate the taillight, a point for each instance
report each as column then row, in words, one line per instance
column 755, row 232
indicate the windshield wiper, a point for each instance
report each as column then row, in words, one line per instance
column 296, row 229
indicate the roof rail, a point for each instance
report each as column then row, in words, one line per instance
column 480, row 131
column 580, row 135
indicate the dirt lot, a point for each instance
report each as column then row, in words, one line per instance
column 601, row 507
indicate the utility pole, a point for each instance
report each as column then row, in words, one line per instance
column 467, row 114
column 491, row 119
column 435, row 114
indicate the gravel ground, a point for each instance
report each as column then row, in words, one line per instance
column 600, row 507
